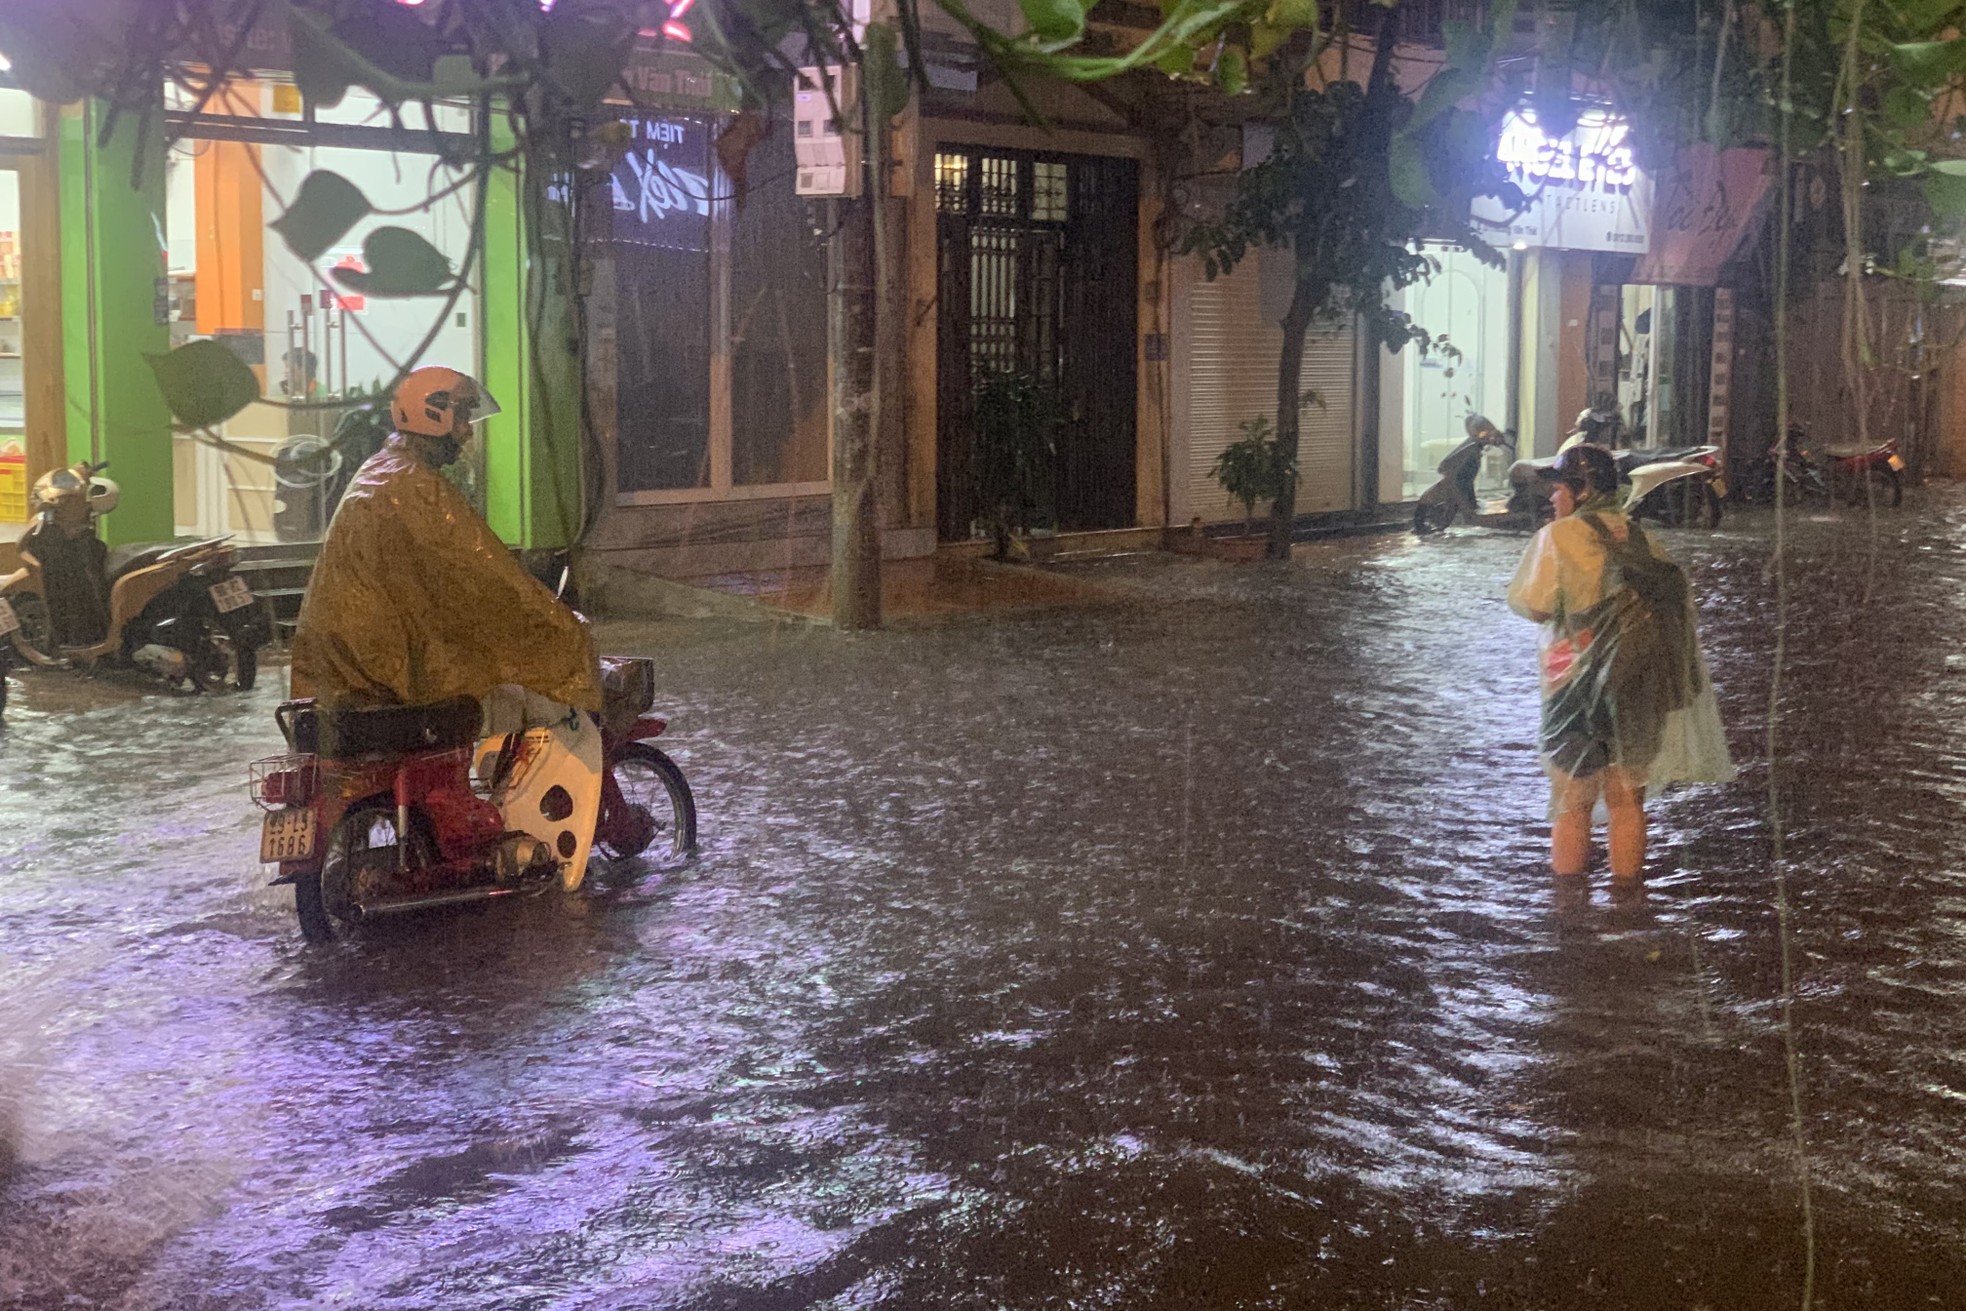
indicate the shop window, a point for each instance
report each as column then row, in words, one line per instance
column 999, row 177
column 13, row 390
column 720, row 320
column 19, row 116
column 951, row 181
column 1048, row 192
column 778, row 330
column 319, row 346
column 662, row 230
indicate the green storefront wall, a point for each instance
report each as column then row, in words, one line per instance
column 113, row 256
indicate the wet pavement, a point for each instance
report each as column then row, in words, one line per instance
column 1185, row 949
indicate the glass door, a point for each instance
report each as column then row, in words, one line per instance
column 19, row 147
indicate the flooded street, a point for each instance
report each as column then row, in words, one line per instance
column 1192, row 948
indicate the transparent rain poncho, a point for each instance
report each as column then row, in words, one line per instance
column 415, row 600
column 1623, row 679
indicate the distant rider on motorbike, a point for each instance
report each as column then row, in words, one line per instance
column 415, row 600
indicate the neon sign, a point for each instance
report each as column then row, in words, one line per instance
column 1594, row 156
column 673, row 28
column 662, row 186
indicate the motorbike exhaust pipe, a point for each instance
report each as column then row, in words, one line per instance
column 385, row 906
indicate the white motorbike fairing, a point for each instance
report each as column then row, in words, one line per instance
column 552, row 790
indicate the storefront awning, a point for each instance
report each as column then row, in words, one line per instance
column 1704, row 203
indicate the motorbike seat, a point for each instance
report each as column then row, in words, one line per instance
column 1850, row 452
column 137, row 555
column 349, row 731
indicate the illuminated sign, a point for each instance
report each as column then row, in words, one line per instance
column 1585, row 190
column 662, row 185
column 674, row 28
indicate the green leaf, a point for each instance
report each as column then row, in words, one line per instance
column 1292, row 14
column 1232, row 72
column 400, row 263
column 1946, row 194
column 1054, row 22
column 1906, row 109
column 326, row 208
column 1177, row 62
column 1265, row 40
column 1927, row 63
column 204, row 383
column 585, row 51
column 887, row 85
column 1952, row 168
column 1411, row 182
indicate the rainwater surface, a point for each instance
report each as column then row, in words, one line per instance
column 1190, row 947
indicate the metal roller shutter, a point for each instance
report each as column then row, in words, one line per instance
column 1230, row 375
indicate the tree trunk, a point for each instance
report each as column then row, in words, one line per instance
column 1290, row 376
column 852, row 329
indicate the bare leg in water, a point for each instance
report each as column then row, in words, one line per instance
column 1570, row 834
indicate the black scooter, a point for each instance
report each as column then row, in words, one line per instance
column 1454, row 495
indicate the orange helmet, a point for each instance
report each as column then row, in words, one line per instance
column 429, row 400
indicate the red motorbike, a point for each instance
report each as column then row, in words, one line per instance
column 380, row 812
column 1857, row 474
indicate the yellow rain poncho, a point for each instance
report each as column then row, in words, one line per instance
column 1624, row 681
column 415, row 600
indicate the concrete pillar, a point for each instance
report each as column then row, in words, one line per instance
column 1540, row 366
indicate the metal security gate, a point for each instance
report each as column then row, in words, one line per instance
column 1037, row 274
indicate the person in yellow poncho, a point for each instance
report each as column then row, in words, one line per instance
column 414, row 599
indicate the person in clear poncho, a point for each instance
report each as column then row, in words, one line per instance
column 1628, row 705
column 415, row 600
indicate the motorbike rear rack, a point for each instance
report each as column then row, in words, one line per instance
column 279, row 782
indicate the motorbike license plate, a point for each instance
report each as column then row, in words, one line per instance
column 1719, row 486
column 1897, row 463
column 287, row 835
column 230, row 595
column 9, row 621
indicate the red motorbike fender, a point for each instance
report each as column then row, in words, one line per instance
column 644, row 729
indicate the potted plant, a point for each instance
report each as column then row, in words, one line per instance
column 1255, row 468
column 1014, row 453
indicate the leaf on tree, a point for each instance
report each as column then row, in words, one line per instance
column 326, row 208
column 585, row 51
column 1054, row 22
column 400, row 263
column 204, row 383
column 1408, row 166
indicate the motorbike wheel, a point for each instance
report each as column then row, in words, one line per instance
column 653, row 782
column 1881, row 486
column 360, row 853
column 37, row 629
column 1432, row 517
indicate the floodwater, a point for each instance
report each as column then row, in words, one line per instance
column 1191, row 948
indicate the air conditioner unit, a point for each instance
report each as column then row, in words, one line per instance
column 828, row 159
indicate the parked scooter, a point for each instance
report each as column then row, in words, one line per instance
column 1454, row 495
column 1858, row 474
column 1684, row 489
column 175, row 610
column 381, row 812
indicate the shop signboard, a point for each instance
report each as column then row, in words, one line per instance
column 1705, row 203
column 1585, row 190
column 662, row 186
